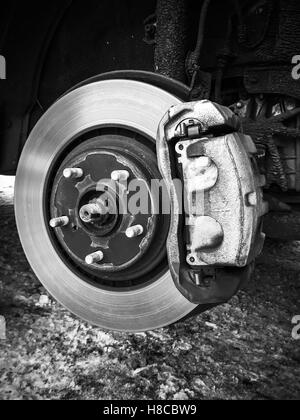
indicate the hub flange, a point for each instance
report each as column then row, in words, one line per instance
column 103, row 211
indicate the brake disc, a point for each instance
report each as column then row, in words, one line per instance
column 97, row 268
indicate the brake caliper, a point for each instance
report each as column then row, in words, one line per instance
column 215, row 188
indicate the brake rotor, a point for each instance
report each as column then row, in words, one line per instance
column 110, row 271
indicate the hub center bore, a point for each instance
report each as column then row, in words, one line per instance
column 100, row 212
column 94, row 212
column 98, row 215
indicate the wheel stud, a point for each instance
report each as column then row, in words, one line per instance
column 134, row 231
column 73, row 173
column 95, row 258
column 120, row 176
column 59, row 222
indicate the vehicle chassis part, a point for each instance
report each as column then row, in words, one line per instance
column 212, row 246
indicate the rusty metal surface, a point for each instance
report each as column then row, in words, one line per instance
column 272, row 80
column 273, row 123
column 171, row 35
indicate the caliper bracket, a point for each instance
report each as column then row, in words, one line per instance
column 215, row 189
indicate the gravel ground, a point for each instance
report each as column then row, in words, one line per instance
column 242, row 350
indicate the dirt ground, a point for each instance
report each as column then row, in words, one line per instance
column 242, row 350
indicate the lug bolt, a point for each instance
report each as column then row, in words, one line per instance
column 95, row 258
column 59, row 222
column 120, row 176
column 134, row 231
column 73, row 173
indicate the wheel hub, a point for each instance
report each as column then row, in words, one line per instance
column 102, row 202
column 98, row 212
